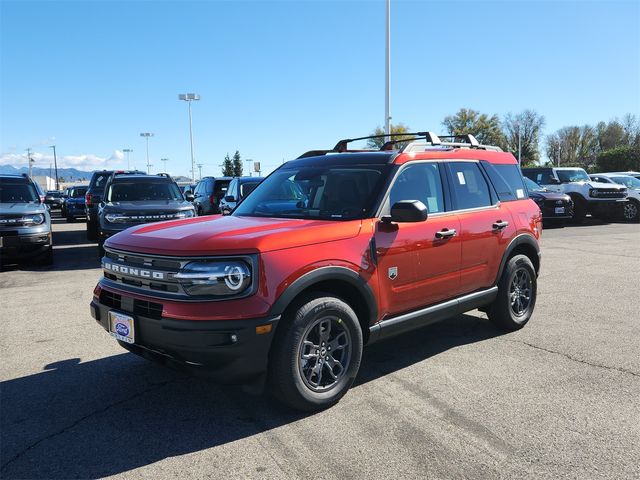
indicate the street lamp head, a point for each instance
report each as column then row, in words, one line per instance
column 188, row 96
column 146, row 134
column 127, row 150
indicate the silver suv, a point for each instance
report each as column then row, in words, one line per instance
column 25, row 223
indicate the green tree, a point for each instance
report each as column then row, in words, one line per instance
column 619, row 159
column 524, row 128
column 237, row 164
column 227, row 167
column 399, row 128
column 485, row 128
column 573, row 147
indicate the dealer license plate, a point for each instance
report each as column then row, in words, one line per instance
column 559, row 210
column 121, row 326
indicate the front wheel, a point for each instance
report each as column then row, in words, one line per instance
column 516, row 299
column 316, row 354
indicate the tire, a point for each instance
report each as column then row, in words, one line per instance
column 100, row 250
column 631, row 211
column 44, row 259
column 517, row 291
column 92, row 231
column 303, row 373
column 579, row 210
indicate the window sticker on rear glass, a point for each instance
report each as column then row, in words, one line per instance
column 461, row 178
column 520, row 193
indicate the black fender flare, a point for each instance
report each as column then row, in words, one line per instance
column 323, row 274
column 522, row 239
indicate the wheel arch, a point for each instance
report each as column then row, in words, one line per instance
column 524, row 244
column 342, row 282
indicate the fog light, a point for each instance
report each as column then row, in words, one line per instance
column 234, row 338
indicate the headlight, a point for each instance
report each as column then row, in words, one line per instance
column 216, row 278
column 36, row 219
column 185, row 214
column 116, row 218
column 593, row 192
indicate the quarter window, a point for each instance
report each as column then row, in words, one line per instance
column 470, row 188
column 420, row 181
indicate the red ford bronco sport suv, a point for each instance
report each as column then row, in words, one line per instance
column 334, row 250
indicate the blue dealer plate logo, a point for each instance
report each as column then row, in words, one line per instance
column 122, row 329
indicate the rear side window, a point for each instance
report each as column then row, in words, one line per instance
column 100, row 179
column 247, row 188
column 470, row 188
column 507, row 180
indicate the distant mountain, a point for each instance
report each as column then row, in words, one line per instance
column 66, row 173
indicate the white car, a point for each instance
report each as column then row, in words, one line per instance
column 631, row 210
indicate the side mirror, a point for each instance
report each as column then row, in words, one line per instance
column 189, row 197
column 406, row 211
column 229, row 198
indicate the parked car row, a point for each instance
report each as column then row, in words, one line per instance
column 220, row 195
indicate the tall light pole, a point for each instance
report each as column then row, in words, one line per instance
column 519, row 146
column 55, row 163
column 387, row 96
column 249, row 160
column 190, row 97
column 200, row 165
column 127, row 151
column 146, row 135
column 164, row 168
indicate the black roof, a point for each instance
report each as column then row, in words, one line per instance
column 343, row 159
column 141, row 178
column 11, row 178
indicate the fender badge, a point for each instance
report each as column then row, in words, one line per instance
column 393, row 273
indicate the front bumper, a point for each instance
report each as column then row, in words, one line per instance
column 229, row 351
column 15, row 246
column 607, row 206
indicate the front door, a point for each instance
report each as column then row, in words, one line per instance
column 418, row 263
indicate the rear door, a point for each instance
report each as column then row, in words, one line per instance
column 485, row 224
column 418, row 265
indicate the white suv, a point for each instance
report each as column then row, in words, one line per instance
column 603, row 200
column 631, row 210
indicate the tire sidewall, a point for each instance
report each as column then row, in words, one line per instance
column 514, row 265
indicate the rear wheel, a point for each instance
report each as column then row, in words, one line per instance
column 631, row 211
column 579, row 210
column 92, row 231
column 316, row 354
column 516, row 297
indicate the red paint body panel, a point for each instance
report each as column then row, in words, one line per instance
column 499, row 158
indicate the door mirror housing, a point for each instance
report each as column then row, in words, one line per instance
column 189, row 197
column 407, row 211
column 229, row 198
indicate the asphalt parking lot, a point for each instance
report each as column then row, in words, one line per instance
column 460, row 399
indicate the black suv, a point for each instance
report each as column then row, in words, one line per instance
column 93, row 197
column 239, row 188
column 208, row 193
column 133, row 198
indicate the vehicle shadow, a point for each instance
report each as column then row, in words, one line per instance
column 108, row 416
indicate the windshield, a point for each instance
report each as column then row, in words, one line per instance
column 139, row 191
column 18, row 193
column 54, row 194
column 577, row 175
column 630, row 182
column 78, row 192
column 332, row 193
column 533, row 186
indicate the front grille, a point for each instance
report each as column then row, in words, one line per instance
column 131, row 305
column 607, row 193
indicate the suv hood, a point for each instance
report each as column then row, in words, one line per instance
column 230, row 235
column 21, row 208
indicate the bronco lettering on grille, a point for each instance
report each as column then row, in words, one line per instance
column 135, row 272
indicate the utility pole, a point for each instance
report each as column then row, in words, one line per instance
column 200, row 165
column 164, row 168
column 30, row 160
column 190, row 97
column 249, row 160
column 519, row 146
column 387, row 97
column 127, row 151
column 146, row 135
column 55, row 162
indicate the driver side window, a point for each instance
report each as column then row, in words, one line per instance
column 420, row 181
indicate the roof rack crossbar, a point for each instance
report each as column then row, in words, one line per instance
column 341, row 146
column 428, row 136
column 467, row 137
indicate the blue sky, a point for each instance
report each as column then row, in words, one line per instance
column 278, row 78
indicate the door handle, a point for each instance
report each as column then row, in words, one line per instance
column 445, row 233
column 499, row 225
